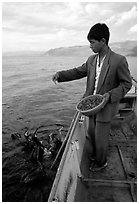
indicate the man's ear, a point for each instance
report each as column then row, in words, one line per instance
column 103, row 40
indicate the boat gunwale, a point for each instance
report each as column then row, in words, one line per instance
column 59, row 170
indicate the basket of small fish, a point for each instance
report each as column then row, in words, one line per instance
column 90, row 105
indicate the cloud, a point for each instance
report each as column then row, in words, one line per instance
column 132, row 32
column 76, row 8
column 127, row 16
column 133, row 29
column 8, row 12
column 53, row 24
column 31, row 18
column 99, row 10
column 91, row 9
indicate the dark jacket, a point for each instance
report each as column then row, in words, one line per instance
column 114, row 78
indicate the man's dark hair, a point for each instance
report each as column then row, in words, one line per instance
column 99, row 31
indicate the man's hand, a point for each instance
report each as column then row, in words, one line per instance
column 107, row 97
column 55, row 77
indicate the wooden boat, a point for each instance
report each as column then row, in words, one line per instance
column 116, row 183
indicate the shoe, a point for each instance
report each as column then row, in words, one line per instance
column 95, row 167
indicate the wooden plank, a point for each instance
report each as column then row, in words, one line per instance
column 108, row 182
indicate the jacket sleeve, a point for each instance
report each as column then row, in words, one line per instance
column 73, row 74
column 125, row 82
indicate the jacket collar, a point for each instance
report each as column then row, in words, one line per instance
column 104, row 70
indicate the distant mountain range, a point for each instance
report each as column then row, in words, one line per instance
column 127, row 48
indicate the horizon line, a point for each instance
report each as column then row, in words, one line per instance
column 61, row 47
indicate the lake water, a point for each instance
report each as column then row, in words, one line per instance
column 29, row 100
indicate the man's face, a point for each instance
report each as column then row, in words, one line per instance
column 96, row 46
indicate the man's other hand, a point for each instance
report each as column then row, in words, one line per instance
column 55, row 77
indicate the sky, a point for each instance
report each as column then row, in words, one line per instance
column 35, row 26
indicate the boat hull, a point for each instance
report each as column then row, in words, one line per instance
column 117, row 183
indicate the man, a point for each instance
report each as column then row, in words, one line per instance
column 107, row 74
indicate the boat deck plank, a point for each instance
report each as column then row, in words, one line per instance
column 117, row 182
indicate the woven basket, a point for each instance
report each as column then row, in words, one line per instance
column 91, row 111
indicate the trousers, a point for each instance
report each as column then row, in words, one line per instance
column 99, row 133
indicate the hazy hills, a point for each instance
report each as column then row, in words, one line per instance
column 127, row 48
